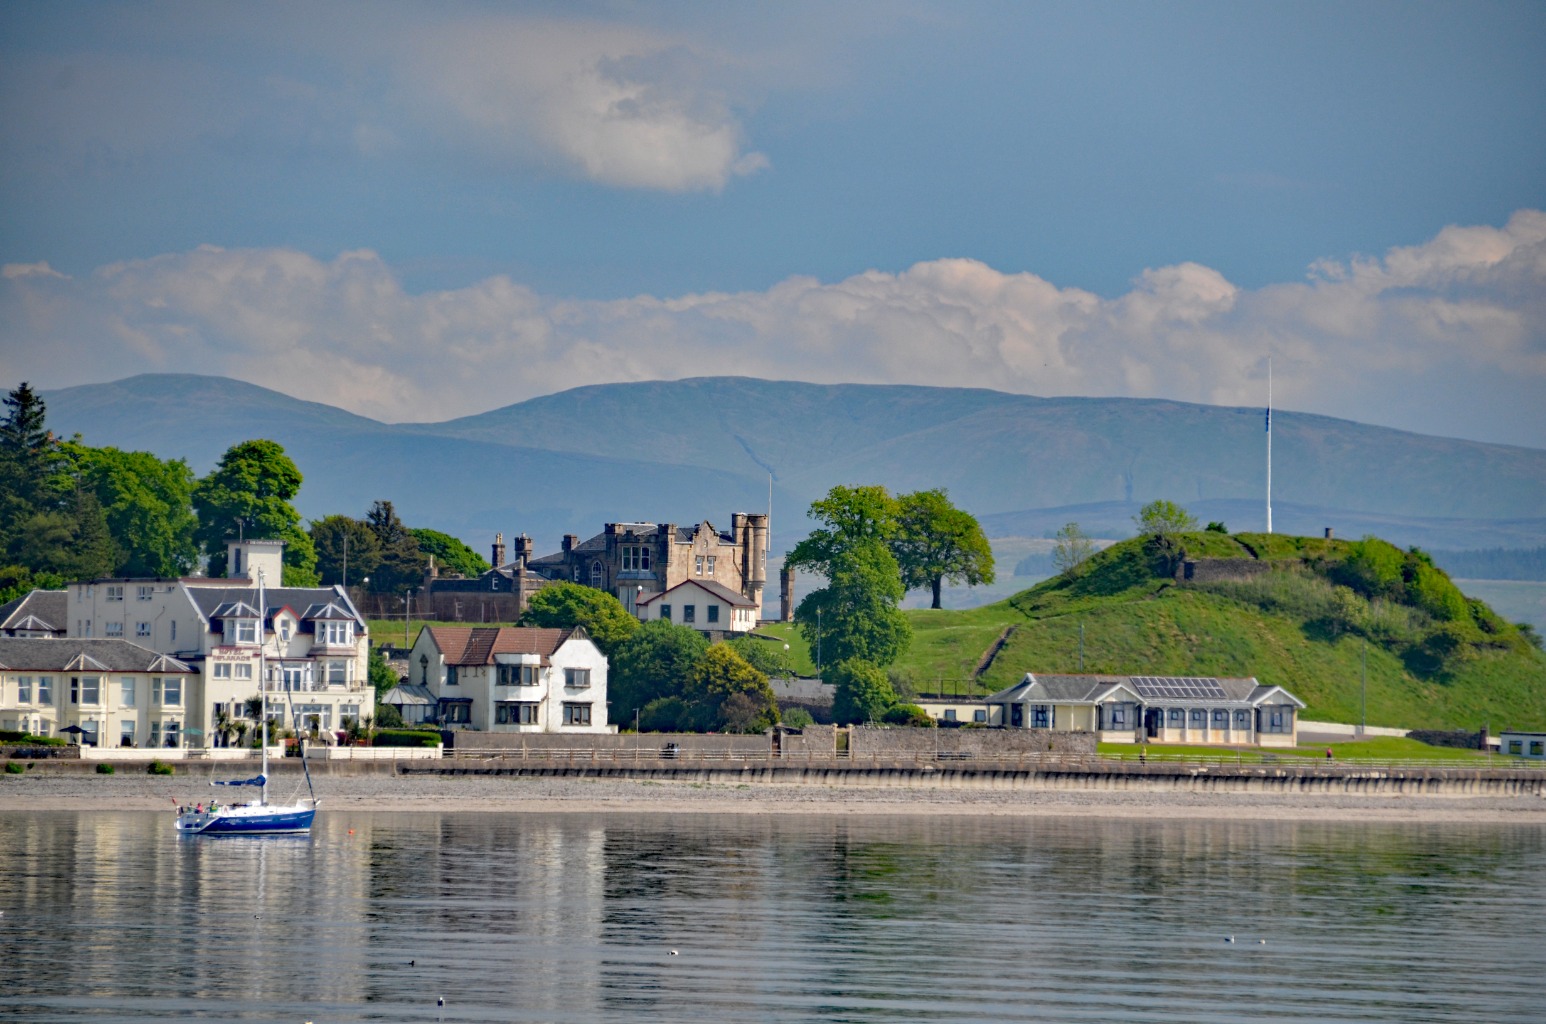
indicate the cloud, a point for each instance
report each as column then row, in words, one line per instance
column 1446, row 337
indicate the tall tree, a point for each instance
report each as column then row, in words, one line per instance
column 935, row 541
column 855, row 615
column 650, row 665
column 727, row 693
column 564, row 605
column 148, row 506
column 449, row 553
column 347, row 550
column 849, row 516
column 861, row 692
column 401, row 564
column 1071, row 550
column 248, row 495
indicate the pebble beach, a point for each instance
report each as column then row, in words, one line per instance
column 135, row 790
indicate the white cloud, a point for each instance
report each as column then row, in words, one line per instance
column 1444, row 337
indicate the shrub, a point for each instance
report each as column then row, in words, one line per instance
column 908, row 714
column 28, row 739
column 663, row 714
column 406, row 738
column 798, row 718
column 160, row 768
column 103, row 768
column 14, row 767
column 862, row 693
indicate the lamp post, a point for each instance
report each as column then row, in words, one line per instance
column 787, row 673
column 407, row 608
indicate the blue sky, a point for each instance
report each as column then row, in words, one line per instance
column 420, row 211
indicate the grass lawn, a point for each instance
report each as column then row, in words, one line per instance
column 390, row 631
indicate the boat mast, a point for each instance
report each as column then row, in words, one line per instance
column 1269, row 444
column 263, row 683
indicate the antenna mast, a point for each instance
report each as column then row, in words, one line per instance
column 1269, row 444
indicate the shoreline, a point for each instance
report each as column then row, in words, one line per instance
column 381, row 793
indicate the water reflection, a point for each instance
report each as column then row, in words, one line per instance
column 570, row 917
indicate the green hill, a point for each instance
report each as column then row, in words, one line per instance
column 1295, row 611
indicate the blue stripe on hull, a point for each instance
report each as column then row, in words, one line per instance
column 259, row 824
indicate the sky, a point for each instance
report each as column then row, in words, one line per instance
column 422, row 211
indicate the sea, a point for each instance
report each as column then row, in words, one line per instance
column 461, row 916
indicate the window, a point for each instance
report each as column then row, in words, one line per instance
column 713, row 612
column 174, row 630
column 126, row 733
column 1041, row 716
column 576, row 714
column 155, row 734
column 689, row 613
column 456, row 713
column 128, row 691
column 115, row 593
column 142, row 630
column 950, row 714
column 336, row 634
column 1220, row 719
column 980, row 715
column 1516, row 746
column 113, row 630
column 337, row 673
column 518, row 675
column 145, row 593
column 292, row 678
column 665, row 612
column 314, row 716
column 516, row 713
column 1535, row 748
column 1177, row 716
column 636, row 558
column 45, row 689
column 1242, row 719
column 424, row 669
column 1276, row 720
column 167, row 691
column 578, row 678
column 246, row 631
column 1017, row 715
column 598, row 576
column 1197, row 718
column 697, row 565
column 24, row 689
column 243, row 671
column 709, row 566
column 86, row 690
column 222, row 670
column 86, row 628
column 285, row 626
column 451, row 675
column 1118, row 716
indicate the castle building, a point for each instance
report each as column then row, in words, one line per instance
column 635, row 562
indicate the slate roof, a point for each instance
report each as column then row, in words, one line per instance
column 478, row 645
column 1094, row 688
column 214, row 602
column 57, row 654
column 48, row 609
column 718, row 590
column 407, row 694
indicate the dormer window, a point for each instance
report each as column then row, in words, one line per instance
column 335, row 633
column 244, row 631
column 285, row 629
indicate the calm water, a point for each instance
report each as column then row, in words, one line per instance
column 110, row 917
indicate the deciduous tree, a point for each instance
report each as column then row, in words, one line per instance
column 934, row 541
column 450, row 554
column 345, row 547
column 248, row 495
column 147, row 503
column 651, row 664
column 564, row 605
column 727, row 693
column 861, row 692
column 1071, row 550
column 855, row 615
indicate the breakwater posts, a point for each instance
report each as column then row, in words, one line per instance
column 1325, row 780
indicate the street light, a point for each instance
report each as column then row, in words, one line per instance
column 787, row 673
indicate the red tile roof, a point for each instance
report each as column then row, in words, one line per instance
column 477, row 645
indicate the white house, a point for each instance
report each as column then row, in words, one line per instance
column 116, row 693
column 314, row 642
column 512, row 679
column 1159, row 709
column 702, row 605
column 1523, row 744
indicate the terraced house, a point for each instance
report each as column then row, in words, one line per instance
column 315, row 646
column 106, row 692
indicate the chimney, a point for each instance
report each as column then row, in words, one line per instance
column 1329, row 533
column 570, row 540
column 786, row 596
column 499, row 550
column 522, row 551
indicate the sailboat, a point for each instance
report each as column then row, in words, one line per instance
column 260, row 818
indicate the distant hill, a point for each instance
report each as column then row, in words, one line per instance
column 681, row 451
column 1304, row 620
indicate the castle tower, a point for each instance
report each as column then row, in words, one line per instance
column 499, row 550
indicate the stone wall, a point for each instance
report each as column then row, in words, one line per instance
column 538, row 743
column 1208, row 570
column 872, row 741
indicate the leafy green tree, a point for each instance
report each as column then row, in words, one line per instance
column 765, row 656
column 401, row 565
column 248, row 495
column 345, row 547
column 381, row 675
column 1431, row 590
column 451, row 555
column 727, row 693
column 665, row 714
column 1071, row 550
column 1164, row 519
column 1373, row 568
column 850, row 516
column 935, row 541
column 861, row 692
column 564, row 605
column 148, row 507
column 653, row 663
column 855, row 615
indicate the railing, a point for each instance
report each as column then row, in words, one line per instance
column 655, row 753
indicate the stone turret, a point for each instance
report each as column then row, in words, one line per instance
column 499, row 550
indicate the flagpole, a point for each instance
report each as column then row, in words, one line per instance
column 1269, row 444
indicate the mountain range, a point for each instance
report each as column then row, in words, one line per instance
column 687, row 450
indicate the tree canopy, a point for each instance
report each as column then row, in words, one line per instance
column 849, row 516
column 565, row 605
column 400, row 565
column 861, row 692
column 1164, row 519
column 934, row 541
column 1071, row 550
column 855, row 615
column 148, row 506
column 724, row 692
column 248, row 495
column 450, row 554
column 347, row 550
column 650, row 665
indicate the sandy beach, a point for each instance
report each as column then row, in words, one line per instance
column 386, row 792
